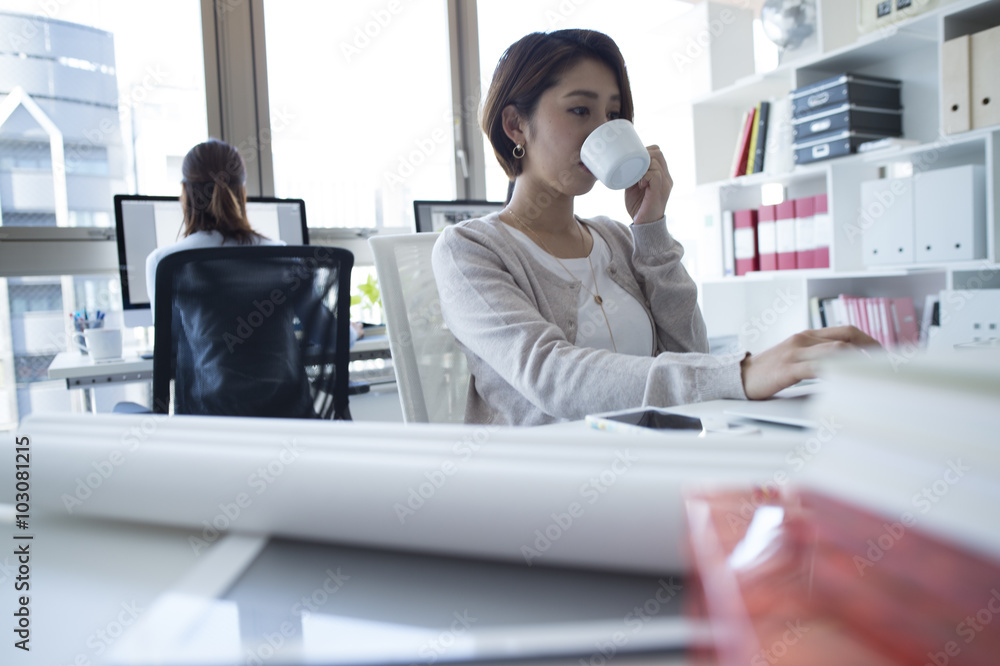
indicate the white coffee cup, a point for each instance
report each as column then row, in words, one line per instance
column 103, row 344
column 615, row 154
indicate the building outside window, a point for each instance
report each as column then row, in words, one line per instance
column 92, row 104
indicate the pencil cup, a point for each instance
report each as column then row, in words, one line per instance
column 82, row 326
column 103, row 344
column 615, row 154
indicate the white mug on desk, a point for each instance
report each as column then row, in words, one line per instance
column 103, row 344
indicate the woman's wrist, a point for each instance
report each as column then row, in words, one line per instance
column 638, row 219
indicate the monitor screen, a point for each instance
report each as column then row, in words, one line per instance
column 144, row 223
column 436, row 215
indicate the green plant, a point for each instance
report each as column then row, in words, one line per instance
column 369, row 292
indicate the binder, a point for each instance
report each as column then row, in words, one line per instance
column 837, row 311
column 956, row 83
column 745, row 241
column 739, row 167
column 861, row 314
column 752, row 150
column 728, row 251
column 767, row 238
column 815, row 313
column 762, row 116
column 958, row 195
column 905, row 318
column 874, row 320
column 822, row 232
column 805, row 241
column 888, row 322
column 852, row 313
column 887, row 223
column 985, row 54
column 786, row 243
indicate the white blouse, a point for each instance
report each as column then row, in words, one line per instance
column 633, row 332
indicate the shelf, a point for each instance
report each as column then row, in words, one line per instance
column 964, row 142
column 830, row 274
column 944, row 143
column 764, row 307
column 920, row 31
column 970, row 16
column 882, row 44
column 804, row 172
column 751, row 89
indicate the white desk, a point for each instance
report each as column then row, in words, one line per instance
column 80, row 371
column 374, row 346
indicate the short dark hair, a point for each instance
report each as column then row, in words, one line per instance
column 532, row 65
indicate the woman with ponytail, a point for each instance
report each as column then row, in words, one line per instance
column 214, row 203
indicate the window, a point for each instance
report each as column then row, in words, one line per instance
column 361, row 113
column 92, row 103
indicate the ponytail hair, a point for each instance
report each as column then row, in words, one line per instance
column 214, row 196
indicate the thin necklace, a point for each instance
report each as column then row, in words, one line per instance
column 583, row 246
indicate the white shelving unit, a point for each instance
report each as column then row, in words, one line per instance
column 764, row 308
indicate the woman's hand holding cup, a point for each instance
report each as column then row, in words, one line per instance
column 614, row 153
column 646, row 201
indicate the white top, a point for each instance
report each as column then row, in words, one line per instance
column 196, row 241
column 629, row 322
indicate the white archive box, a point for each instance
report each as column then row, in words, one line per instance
column 886, row 219
column 984, row 53
column 956, row 85
column 950, row 214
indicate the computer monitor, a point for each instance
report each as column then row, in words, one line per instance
column 144, row 223
column 436, row 215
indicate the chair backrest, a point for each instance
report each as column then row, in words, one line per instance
column 431, row 370
column 254, row 331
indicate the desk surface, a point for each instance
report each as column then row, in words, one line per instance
column 75, row 365
column 80, row 370
column 98, row 585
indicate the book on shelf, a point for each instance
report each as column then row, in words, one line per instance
column 741, row 156
column 762, row 118
column 931, row 317
column 778, row 152
column 763, row 136
column 754, row 132
column 890, row 321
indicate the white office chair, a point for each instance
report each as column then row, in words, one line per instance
column 431, row 371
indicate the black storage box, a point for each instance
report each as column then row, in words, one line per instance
column 851, row 88
column 849, row 117
column 826, row 146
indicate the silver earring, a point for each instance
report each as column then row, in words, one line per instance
column 518, row 151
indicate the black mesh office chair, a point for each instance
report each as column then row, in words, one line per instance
column 254, row 331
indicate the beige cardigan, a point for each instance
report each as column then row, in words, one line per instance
column 516, row 322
